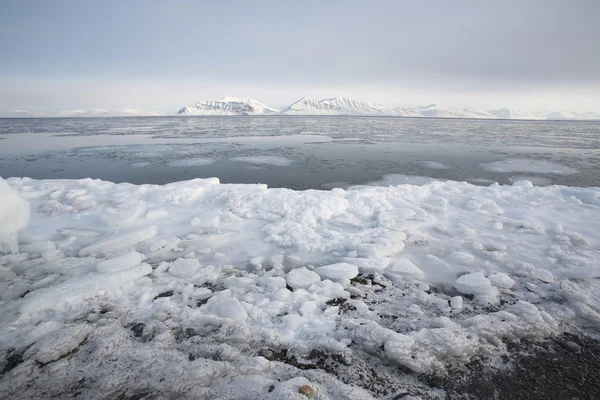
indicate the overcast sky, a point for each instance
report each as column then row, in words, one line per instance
column 162, row 55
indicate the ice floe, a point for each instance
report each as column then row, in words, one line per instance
column 528, row 166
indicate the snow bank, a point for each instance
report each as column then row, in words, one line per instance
column 198, row 289
column 14, row 217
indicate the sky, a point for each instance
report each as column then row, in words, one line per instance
column 163, row 55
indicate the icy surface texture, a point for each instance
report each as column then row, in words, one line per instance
column 202, row 290
column 14, row 217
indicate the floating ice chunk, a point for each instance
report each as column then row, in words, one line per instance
column 339, row 272
column 404, row 267
column 14, row 216
column 543, row 275
column 528, row 166
column 185, row 268
column 265, row 160
column 435, row 165
column 473, row 283
column 120, row 242
column 501, row 280
column 119, row 263
column 70, row 290
column 191, row 162
column 301, row 278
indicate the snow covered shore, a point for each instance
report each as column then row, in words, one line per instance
column 196, row 288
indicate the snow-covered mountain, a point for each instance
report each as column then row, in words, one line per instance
column 336, row 106
column 228, row 106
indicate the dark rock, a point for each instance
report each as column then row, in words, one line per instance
column 266, row 353
column 168, row 293
column 11, row 362
column 138, row 329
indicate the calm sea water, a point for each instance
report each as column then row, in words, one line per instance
column 297, row 152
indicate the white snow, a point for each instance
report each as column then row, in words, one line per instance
column 190, row 281
column 528, row 166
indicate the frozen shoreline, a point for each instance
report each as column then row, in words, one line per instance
column 204, row 276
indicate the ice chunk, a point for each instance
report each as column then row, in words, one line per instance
column 275, row 282
column 543, row 275
column 404, row 267
column 501, row 280
column 14, row 216
column 58, row 343
column 38, row 247
column 119, row 242
column 301, row 278
column 339, row 272
column 122, row 262
column 456, row 302
column 70, row 290
column 473, row 283
column 185, row 268
column 227, row 308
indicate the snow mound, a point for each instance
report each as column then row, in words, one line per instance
column 14, row 217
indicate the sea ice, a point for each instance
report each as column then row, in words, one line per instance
column 528, row 166
column 340, row 272
column 435, row 165
column 264, row 160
